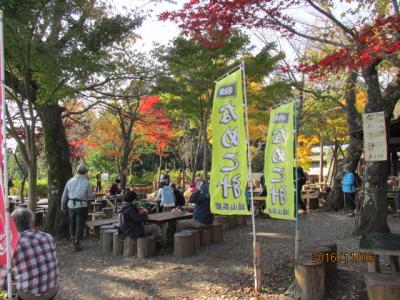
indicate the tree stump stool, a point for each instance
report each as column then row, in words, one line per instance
column 196, row 238
column 224, row 220
column 382, row 286
column 99, row 231
column 310, row 279
column 234, row 221
column 205, row 236
column 130, row 247
column 183, row 244
column 118, row 245
column 331, row 264
column 146, row 247
column 108, row 212
column 107, row 240
column 242, row 220
column 217, row 234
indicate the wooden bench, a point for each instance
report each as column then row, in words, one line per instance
column 382, row 286
column 381, row 244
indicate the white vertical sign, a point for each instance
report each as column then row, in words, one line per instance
column 375, row 140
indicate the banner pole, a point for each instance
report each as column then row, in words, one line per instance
column 297, row 239
column 256, row 246
column 4, row 150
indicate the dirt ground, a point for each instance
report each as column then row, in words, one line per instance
column 222, row 271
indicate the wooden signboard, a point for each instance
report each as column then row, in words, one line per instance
column 375, row 140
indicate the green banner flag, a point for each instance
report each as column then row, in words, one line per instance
column 229, row 156
column 278, row 164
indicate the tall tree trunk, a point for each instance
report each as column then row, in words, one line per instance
column 374, row 209
column 354, row 150
column 32, row 184
column 321, row 159
column 124, row 166
column 194, row 161
column 22, row 187
column 59, row 165
column 205, row 152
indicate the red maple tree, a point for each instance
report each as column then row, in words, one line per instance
column 155, row 125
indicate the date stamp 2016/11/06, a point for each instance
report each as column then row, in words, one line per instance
column 343, row 257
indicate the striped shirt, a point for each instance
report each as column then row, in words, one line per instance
column 35, row 265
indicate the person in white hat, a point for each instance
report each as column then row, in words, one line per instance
column 75, row 197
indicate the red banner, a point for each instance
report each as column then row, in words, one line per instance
column 13, row 230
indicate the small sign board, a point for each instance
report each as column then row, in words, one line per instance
column 375, row 139
column 104, row 176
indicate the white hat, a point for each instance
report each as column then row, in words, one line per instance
column 82, row 168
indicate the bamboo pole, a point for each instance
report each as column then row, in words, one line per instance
column 256, row 246
column 297, row 239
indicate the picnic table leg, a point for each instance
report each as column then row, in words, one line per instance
column 164, row 232
column 374, row 266
column 394, row 263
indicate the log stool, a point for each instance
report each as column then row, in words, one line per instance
column 331, row 266
column 108, row 212
column 310, row 279
column 382, row 286
column 234, row 221
column 205, row 236
column 224, row 220
column 242, row 220
column 100, row 230
column 118, row 245
column 196, row 238
column 217, row 234
column 146, row 247
column 107, row 240
column 183, row 244
column 130, row 247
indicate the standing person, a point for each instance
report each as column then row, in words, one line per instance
column 166, row 198
column 98, row 182
column 349, row 189
column 165, row 178
column 76, row 194
column 34, row 263
column 301, row 180
column 10, row 185
column 131, row 221
column 179, row 199
column 114, row 188
column 202, row 216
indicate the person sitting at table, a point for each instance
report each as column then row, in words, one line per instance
column 166, row 198
column 189, row 192
column 202, row 216
column 131, row 221
column 179, row 199
column 114, row 189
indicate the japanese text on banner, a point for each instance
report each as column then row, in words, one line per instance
column 279, row 164
column 229, row 169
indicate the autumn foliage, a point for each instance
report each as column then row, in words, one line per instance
column 155, row 126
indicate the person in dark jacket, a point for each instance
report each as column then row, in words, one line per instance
column 179, row 199
column 202, row 216
column 114, row 189
column 131, row 221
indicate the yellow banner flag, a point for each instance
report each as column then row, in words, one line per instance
column 229, row 170
column 278, row 167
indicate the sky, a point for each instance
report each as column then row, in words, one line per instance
column 152, row 30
